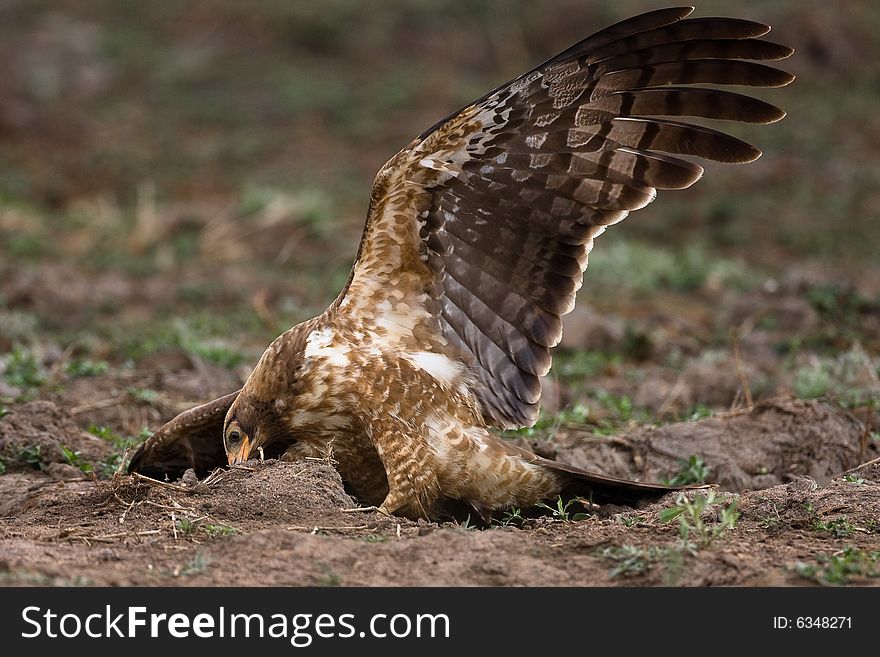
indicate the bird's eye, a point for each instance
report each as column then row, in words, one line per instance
column 234, row 437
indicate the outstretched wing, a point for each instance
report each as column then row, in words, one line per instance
column 478, row 231
column 192, row 439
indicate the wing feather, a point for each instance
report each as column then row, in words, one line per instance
column 479, row 230
column 192, row 439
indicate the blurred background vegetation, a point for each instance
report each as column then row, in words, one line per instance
column 196, row 173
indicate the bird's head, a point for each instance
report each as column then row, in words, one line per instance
column 253, row 426
column 276, row 409
column 284, row 407
column 236, row 442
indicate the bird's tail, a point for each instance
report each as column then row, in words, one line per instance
column 599, row 488
column 602, row 489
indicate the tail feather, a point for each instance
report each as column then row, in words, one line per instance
column 602, row 489
column 599, row 488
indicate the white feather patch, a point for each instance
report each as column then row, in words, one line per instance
column 438, row 438
column 444, row 370
column 319, row 345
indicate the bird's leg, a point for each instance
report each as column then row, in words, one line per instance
column 409, row 468
column 402, row 501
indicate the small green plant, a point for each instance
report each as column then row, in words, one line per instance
column 811, row 382
column 110, row 466
column 30, row 455
column 512, row 516
column 219, row 354
column 4, row 412
column 692, row 470
column 771, row 521
column 143, row 396
column 839, row 527
column 576, row 366
column 197, row 564
column 842, row 378
column 219, row 530
column 113, row 463
column 548, row 423
column 698, row 412
column 102, row 432
column 561, row 512
column 330, row 578
column 632, row 560
column 84, row 368
column 373, row 538
column 853, row 479
column 840, row 567
column 468, row 525
column 632, row 519
column 690, row 519
column 2, row 466
column 622, row 412
column 186, row 526
column 75, row 459
column 23, row 370
column 622, row 405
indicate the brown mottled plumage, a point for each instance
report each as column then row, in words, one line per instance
column 474, row 247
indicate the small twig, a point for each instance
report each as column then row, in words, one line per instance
column 127, row 509
column 162, row 484
column 174, row 525
column 858, row 467
column 260, row 304
column 57, row 370
column 737, row 359
column 166, row 507
column 613, row 440
column 732, row 413
column 360, row 509
column 120, row 469
column 214, row 477
column 673, row 395
column 317, row 528
column 110, row 538
column 148, row 532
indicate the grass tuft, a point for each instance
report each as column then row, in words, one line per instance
column 692, row 470
column 842, row 567
column 690, row 519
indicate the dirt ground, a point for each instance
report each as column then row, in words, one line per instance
column 179, row 184
column 277, row 523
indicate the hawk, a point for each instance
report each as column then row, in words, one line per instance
column 475, row 244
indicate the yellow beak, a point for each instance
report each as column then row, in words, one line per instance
column 242, row 454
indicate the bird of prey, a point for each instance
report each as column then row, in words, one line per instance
column 475, row 244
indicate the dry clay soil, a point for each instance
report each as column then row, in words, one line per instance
column 784, row 459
